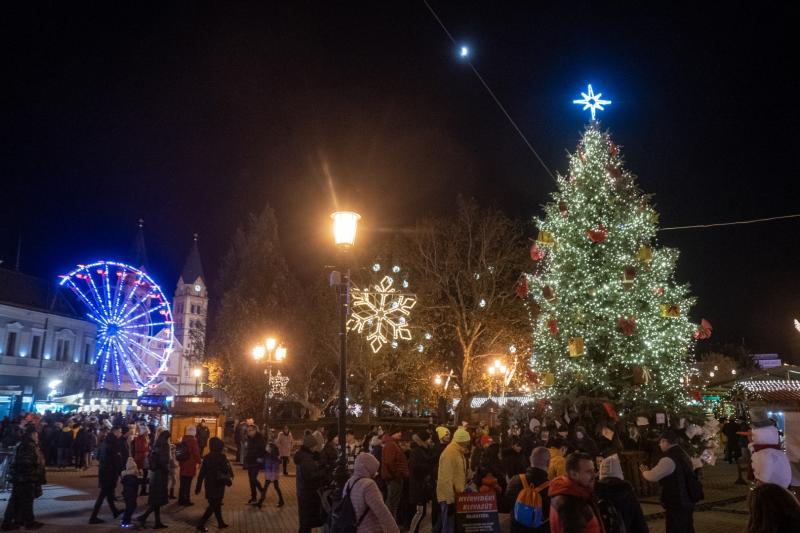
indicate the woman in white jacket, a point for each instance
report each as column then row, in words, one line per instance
column 370, row 510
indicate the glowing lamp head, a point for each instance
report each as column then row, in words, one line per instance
column 197, row 372
column 492, row 370
column 258, row 352
column 497, row 363
column 345, row 224
column 280, row 353
column 463, row 52
column 437, row 380
column 271, row 343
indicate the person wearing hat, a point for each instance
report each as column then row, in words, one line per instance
column 612, row 489
column 217, row 473
column 310, row 477
column 452, row 478
column 130, row 489
column 188, row 467
column 371, row 512
column 672, row 472
column 420, row 482
column 394, row 469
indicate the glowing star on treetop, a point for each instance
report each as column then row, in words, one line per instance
column 383, row 311
column 592, row 101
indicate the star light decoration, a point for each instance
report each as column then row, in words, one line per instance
column 382, row 310
column 277, row 384
column 592, row 101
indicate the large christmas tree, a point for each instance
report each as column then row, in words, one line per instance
column 610, row 321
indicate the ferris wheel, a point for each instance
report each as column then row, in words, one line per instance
column 135, row 333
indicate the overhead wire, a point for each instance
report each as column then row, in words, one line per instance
column 492, row 94
column 735, row 223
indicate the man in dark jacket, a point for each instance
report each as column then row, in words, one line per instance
column 217, row 473
column 672, row 472
column 612, row 490
column 202, row 436
column 255, row 448
column 80, row 445
column 420, row 482
column 309, row 479
column 27, row 476
column 108, row 472
column 732, row 449
column 513, row 460
column 536, row 476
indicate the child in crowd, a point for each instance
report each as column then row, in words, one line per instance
column 131, row 481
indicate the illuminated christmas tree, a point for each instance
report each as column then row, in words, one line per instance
column 610, row 321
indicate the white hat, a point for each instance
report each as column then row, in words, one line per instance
column 191, row 430
column 610, row 467
column 772, row 466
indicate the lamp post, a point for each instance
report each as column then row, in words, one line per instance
column 271, row 352
column 197, row 372
column 497, row 370
column 345, row 224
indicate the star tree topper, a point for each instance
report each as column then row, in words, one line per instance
column 383, row 312
column 592, row 101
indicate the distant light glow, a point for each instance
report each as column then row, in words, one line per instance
column 592, row 101
column 464, row 51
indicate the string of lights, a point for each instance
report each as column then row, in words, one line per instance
column 464, row 53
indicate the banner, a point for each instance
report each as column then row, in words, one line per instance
column 476, row 512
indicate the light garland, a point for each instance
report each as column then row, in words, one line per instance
column 771, row 385
column 383, row 312
column 278, row 385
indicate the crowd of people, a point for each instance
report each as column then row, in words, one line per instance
column 548, row 479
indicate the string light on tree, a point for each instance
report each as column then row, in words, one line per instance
column 592, row 101
column 383, row 312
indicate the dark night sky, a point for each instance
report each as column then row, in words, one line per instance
column 191, row 115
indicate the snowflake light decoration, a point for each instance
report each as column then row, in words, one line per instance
column 382, row 311
column 277, row 384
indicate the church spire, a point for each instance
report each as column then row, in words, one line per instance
column 193, row 268
column 138, row 249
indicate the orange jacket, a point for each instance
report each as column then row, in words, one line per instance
column 573, row 508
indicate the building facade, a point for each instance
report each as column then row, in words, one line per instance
column 44, row 341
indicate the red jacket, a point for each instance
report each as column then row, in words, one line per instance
column 189, row 466
column 573, row 508
column 394, row 464
column 141, row 449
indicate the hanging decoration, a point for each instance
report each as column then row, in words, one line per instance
column 597, row 235
column 610, row 411
column 645, row 254
column 552, row 325
column 383, row 311
column 627, row 325
column 537, row 254
column 576, row 347
column 549, row 379
column 704, row 331
column 641, row 375
column 562, row 208
column 613, row 149
column 545, row 238
column 522, row 289
column 628, row 275
column 548, row 293
column 614, row 171
column 670, row 311
column 658, row 291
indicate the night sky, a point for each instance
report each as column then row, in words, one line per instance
column 191, row 115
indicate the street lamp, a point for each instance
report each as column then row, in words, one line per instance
column 345, row 225
column 499, row 370
column 197, row 372
column 272, row 353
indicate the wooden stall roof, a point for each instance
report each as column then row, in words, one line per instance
column 196, row 405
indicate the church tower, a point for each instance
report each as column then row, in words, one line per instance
column 190, row 305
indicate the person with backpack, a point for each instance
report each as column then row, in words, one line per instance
column 217, row 473
column 573, row 506
column 369, row 513
column 107, row 473
column 617, row 500
column 188, row 459
column 527, row 496
column 680, row 488
column 159, row 470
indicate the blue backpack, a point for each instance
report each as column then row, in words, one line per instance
column 528, row 507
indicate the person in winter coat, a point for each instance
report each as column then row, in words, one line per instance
column 452, row 478
column 573, row 507
column 535, row 476
column 107, row 473
column 130, row 489
column 124, row 446
column 284, row 441
column 255, row 447
column 420, row 481
column 217, row 473
column 188, row 467
column 514, row 462
column 558, row 452
column 159, row 473
column 141, row 451
column 614, row 490
column 394, row 469
column 372, row 514
column 202, row 436
column 584, row 443
column 27, row 474
column 80, row 444
column 329, row 454
column 272, row 468
column 353, row 449
column 492, row 466
column 310, row 478
column 65, row 447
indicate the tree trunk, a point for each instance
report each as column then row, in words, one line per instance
column 464, row 409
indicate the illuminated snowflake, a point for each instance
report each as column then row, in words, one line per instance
column 383, row 312
column 277, row 385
